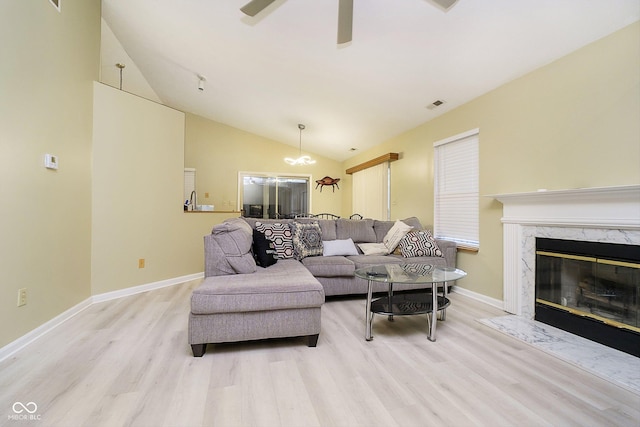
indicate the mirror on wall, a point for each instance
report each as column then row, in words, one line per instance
column 274, row 196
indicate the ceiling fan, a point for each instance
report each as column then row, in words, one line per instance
column 345, row 14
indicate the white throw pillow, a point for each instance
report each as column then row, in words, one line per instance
column 339, row 247
column 373, row 248
column 395, row 234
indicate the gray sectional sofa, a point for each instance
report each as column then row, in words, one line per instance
column 239, row 300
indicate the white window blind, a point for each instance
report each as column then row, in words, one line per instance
column 457, row 189
column 371, row 192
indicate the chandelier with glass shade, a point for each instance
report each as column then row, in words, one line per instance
column 301, row 160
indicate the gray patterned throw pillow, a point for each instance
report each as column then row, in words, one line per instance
column 307, row 239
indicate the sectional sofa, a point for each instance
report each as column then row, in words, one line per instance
column 242, row 300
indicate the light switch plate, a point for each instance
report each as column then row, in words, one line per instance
column 51, row 161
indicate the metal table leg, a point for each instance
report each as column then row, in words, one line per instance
column 443, row 315
column 368, row 319
column 390, row 295
column 434, row 312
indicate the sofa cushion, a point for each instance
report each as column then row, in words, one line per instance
column 395, row 234
column 329, row 266
column 307, row 239
column 339, row 247
column 287, row 284
column 328, row 226
column 419, row 243
column 264, row 251
column 359, row 230
column 280, row 234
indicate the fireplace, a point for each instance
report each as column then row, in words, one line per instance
column 591, row 289
column 608, row 215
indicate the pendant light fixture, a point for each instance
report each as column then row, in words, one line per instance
column 301, row 160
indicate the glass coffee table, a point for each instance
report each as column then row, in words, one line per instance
column 410, row 303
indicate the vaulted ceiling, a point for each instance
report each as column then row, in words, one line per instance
column 265, row 74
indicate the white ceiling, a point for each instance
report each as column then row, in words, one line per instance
column 283, row 67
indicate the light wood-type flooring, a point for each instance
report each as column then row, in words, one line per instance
column 127, row 362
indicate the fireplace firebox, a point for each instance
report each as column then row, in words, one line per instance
column 591, row 289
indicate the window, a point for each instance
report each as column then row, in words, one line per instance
column 271, row 195
column 456, row 189
column 189, row 183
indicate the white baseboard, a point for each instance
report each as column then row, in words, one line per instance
column 48, row 326
column 479, row 297
column 120, row 293
column 30, row 337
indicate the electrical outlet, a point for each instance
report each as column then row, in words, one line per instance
column 141, row 263
column 206, row 195
column 22, row 297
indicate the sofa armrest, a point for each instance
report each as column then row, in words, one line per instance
column 449, row 250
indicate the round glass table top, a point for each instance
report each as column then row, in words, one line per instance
column 409, row 273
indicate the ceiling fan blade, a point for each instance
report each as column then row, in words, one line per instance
column 345, row 21
column 445, row 4
column 255, row 6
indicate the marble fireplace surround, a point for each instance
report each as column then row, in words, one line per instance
column 603, row 214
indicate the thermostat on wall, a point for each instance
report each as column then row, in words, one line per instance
column 51, row 161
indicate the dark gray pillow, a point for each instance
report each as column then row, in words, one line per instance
column 264, row 251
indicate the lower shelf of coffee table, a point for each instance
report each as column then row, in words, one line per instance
column 407, row 304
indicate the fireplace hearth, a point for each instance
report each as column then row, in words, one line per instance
column 591, row 289
column 608, row 215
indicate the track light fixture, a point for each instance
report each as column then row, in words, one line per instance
column 201, row 80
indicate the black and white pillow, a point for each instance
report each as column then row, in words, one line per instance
column 280, row 235
column 307, row 239
column 264, row 251
column 419, row 243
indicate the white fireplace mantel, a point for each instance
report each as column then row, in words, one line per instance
column 610, row 214
column 609, row 207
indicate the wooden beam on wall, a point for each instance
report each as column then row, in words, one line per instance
column 389, row 157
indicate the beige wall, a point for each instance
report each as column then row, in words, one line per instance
column 49, row 61
column 137, row 191
column 218, row 152
column 573, row 123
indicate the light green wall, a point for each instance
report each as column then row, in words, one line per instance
column 573, row 123
column 218, row 152
column 48, row 63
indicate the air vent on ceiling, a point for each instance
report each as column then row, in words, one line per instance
column 435, row 104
